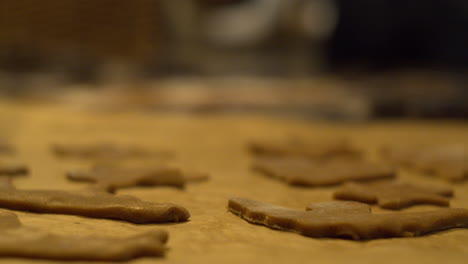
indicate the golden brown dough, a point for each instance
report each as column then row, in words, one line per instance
column 110, row 179
column 91, row 204
column 322, row 149
column 299, row 171
column 446, row 161
column 19, row 241
column 344, row 219
column 393, row 195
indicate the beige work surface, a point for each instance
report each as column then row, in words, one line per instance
column 217, row 144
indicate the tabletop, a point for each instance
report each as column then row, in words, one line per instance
column 216, row 144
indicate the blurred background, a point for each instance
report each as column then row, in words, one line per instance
column 319, row 59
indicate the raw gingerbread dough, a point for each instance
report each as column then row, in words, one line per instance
column 322, row 149
column 344, row 219
column 25, row 242
column 449, row 161
column 105, row 151
column 13, row 169
column 300, row 171
column 5, row 148
column 110, row 179
column 5, row 182
column 393, row 195
column 91, row 204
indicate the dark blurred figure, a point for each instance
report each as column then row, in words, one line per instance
column 383, row 34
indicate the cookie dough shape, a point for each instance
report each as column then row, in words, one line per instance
column 345, row 219
column 303, row 172
column 105, row 151
column 11, row 169
column 449, row 161
column 5, row 182
column 91, row 204
column 6, row 148
column 19, row 241
column 110, row 179
column 323, row 149
column 393, row 195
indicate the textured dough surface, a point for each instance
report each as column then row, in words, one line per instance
column 347, row 219
column 19, row 241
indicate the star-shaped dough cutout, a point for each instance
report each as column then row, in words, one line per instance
column 5, row 147
column 17, row 240
column 320, row 149
column 12, row 169
column 391, row 195
column 304, row 172
column 91, row 203
column 110, row 179
column 344, row 219
column 446, row 161
column 105, row 151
